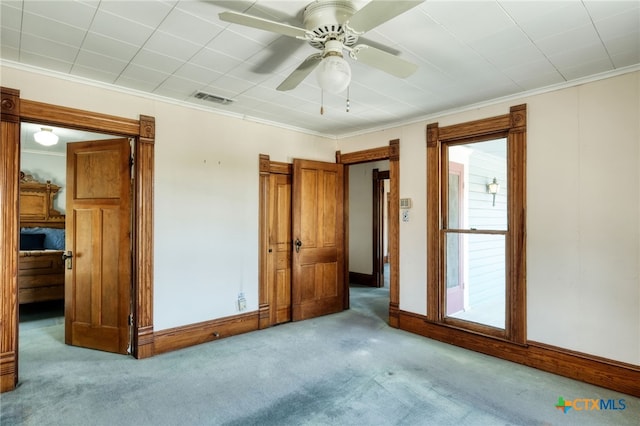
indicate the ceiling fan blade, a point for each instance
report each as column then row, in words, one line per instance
column 377, row 12
column 383, row 61
column 262, row 24
column 300, row 73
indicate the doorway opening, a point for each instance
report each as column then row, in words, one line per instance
column 41, row 283
column 369, row 186
column 387, row 158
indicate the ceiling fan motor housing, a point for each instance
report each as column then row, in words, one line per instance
column 325, row 18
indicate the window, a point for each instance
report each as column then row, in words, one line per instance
column 476, row 250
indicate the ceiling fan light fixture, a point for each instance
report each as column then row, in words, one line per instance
column 333, row 73
column 46, row 137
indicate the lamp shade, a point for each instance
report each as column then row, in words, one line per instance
column 46, row 137
column 333, row 74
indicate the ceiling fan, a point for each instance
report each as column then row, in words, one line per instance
column 333, row 26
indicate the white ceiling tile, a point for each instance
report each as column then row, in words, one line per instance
column 48, row 29
column 46, row 62
column 94, row 73
column 233, row 85
column 150, row 78
column 603, row 9
column 577, row 37
column 156, row 61
column 580, row 55
column 508, row 39
column 47, row 47
column 76, row 14
column 468, row 20
column 168, row 45
column 629, row 42
column 119, row 28
column 107, row 46
column 196, row 73
column 557, row 20
column 532, row 81
column 10, row 15
column 517, row 56
column 617, row 25
column 587, row 68
column 529, row 10
column 9, row 53
column 10, row 38
column 150, row 13
column 236, row 45
column 206, row 10
column 189, row 27
column 216, row 61
column 626, row 59
column 179, row 85
column 137, row 84
column 94, row 60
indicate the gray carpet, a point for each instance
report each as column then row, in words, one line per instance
column 344, row 369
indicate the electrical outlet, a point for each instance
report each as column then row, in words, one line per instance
column 242, row 302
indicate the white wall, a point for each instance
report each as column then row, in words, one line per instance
column 206, row 193
column 583, row 254
column 361, row 215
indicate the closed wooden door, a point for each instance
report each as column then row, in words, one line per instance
column 318, row 239
column 280, row 246
column 98, row 235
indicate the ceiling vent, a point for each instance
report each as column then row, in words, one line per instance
column 212, row 98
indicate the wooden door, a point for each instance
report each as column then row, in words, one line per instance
column 318, row 233
column 280, row 245
column 98, row 234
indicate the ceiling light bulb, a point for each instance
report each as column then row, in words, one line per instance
column 46, row 137
column 333, row 73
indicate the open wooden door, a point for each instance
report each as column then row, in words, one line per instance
column 318, row 233
column 98, row 237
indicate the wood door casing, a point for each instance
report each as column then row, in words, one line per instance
column 318, row 223
column 15, row 110
column 98, row 231
column 280, row 246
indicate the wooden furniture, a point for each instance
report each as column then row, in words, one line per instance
column 40, row 272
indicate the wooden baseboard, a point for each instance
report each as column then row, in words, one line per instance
column 8, row 374
column 362, row 279
column 144, row 338
column 194, row 334
column 610, row 374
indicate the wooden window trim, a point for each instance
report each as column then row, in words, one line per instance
column 514, row 126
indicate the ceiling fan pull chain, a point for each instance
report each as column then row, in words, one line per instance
column 348, row 96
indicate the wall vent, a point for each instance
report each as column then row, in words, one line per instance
column 212, row 98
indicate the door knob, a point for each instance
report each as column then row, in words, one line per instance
column 66, row 257
column 298, row 244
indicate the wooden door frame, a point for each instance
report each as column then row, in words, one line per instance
column 14, row 110
column 378, row 178
column 391, row 153
column 266, row 168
